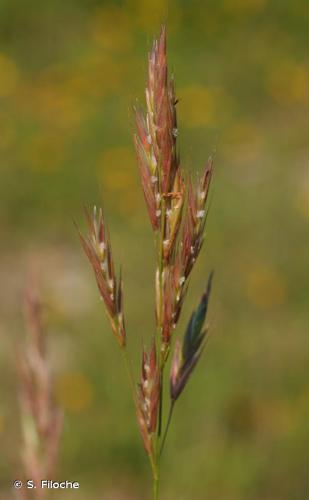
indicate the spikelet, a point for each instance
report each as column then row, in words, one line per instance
column 195, row 219
column 186, row 357
column 148, row 397
column 156, row 144
column 97, row 247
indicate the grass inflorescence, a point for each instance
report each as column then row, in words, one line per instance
column 177, row 209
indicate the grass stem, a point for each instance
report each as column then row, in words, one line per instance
column 155, row 488
column 167, row 426
column 129, row 373
column 161, row 404
column 155, row 477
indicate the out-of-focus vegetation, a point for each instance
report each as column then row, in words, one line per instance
column 69, row 74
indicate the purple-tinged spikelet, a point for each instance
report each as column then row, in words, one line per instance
column 148, row 396
column 195, row 219
column 97, row 247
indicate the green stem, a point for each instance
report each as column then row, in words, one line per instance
column 155, row 488
column 167, row 426
column 160, row 403
column 129, row 373
column 155, row 477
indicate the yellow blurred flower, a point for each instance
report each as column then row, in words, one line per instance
column 197, row 105
column 244, row 6
column 95, row 74
column 56, row 105
column 74, row 392
column 45, row 151
column 288, row 83
column 9, row 76
column 112, row 29
column 242, row 133
column 266, row 288
column 243, row 144
column 117, row 170
column 116, row 165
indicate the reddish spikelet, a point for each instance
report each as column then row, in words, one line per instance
column 168, row 309
column 148, row 397
column 173, row 217
column 149, row 181
column 41, row 419
column 161, row 105
column 175, row 367
column 97, row 247
column 183, row 256
column 195, row 219
column 174, row 292
column 155, row 141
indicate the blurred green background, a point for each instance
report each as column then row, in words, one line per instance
column 69, row 74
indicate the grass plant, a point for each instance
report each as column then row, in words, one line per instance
column 177, row 208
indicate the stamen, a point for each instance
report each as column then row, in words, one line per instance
column 166, row 243
column 104, row 266
column 153, row 160
column 102, row 246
